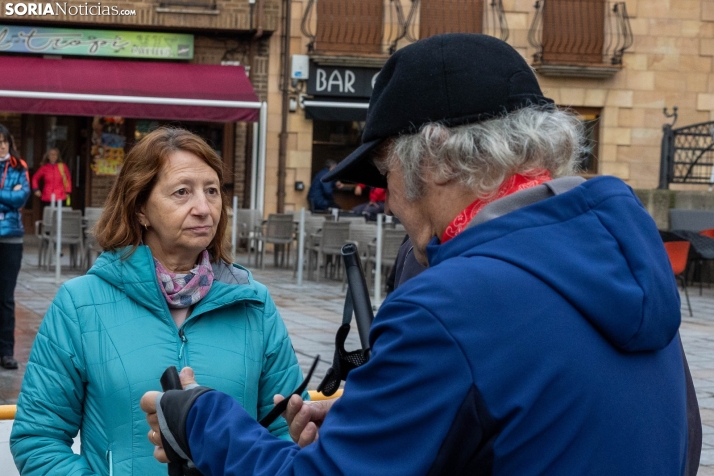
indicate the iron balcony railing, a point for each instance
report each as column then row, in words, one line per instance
column 376, row 26
column 353, row 26
column 456, row 16
column 580, row 32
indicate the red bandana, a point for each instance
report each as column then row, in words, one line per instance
column 514, row 184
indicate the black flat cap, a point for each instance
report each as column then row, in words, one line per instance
column 453, row 79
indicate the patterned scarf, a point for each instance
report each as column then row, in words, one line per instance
column 514, row 184
column 185, row 290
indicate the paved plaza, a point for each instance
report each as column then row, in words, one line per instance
column 312, row 313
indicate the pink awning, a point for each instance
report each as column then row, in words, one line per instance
column 138, row 89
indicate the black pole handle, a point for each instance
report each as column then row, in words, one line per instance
column 170, row 380
column 357, row 287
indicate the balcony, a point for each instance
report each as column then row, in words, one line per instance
column 374, row 27
column 353, row 27
column 455, row 16
column 579, row 38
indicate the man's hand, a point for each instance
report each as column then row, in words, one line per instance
column 148, row 404
column 38, row 193
column 358, row 190
column 304, row 418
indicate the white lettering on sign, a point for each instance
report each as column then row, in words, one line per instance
column 321, row 80
column 335, row 79
column 336, row 82
column 349, row 81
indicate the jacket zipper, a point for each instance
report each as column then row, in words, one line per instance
column 184, row 340
column 110, row 462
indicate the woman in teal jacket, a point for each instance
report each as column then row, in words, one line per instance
column 161, row 294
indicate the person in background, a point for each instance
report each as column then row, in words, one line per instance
column 163, row 293
column 55, row 177
column 320, row 196
column 14, row 191
column 375, row 205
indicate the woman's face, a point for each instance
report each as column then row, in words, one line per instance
column 4, row 145
column 183, row 210
column 52, row 155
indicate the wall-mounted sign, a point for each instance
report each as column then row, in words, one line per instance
column 66, row 41
column 341, row 81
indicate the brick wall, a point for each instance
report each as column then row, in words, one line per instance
column 230, row 15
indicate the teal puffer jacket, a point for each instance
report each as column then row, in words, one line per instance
column 105, row 341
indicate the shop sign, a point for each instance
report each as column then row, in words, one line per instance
column 341, row 81
column 115, row 43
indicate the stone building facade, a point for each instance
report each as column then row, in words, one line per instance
column 668, row 64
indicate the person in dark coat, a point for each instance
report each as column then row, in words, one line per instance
column 320, row 194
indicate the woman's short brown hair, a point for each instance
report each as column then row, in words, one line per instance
column 119, row 226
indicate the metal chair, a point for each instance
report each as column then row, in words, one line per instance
column 72, row 235
column 331, row 239
column 391, row 242
column 43, row 232
column 313, row 227
column 91, row 247
column 678, row 252
column 248, row 220
column 278, row 230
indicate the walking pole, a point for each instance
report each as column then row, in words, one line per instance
column 301, row 246
column 58, row 241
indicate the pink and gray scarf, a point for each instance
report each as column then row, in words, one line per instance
column 185, row 290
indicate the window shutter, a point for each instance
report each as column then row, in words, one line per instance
column 349, row 26
column 450, row 16
column 573, row 31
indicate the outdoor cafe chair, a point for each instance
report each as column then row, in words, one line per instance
column 678, row 252
column 278, row 230
column 333, row 236
column 72, row 235
column 91, row 247
column 43, row 232
column 313, row 227
column 392, row 240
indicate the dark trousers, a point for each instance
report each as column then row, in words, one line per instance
column 10, row 261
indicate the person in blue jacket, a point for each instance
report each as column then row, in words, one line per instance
column 14, row 191
column 541, row 340
column 163, row 293
column 321, row 195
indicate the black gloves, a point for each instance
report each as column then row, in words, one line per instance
column 172, row 408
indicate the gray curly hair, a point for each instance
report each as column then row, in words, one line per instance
column 482, row 155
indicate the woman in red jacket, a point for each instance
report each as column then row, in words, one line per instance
column 55, row 176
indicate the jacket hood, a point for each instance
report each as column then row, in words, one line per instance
column 597, row 247
column 135, row 275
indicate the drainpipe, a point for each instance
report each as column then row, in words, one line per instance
column 285, row 87
column 256, row 25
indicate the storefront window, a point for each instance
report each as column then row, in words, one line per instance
column 143, row 127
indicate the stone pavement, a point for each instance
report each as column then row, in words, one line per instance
column 312, row 313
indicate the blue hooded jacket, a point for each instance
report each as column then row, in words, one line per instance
column 543, row 341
